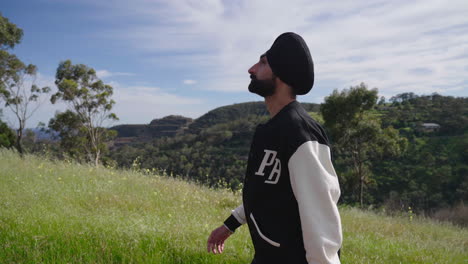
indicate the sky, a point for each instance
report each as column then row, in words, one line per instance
column 187, row 57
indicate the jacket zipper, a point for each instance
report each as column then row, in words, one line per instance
column 271, row 242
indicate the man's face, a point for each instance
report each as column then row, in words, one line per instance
column 262, row 78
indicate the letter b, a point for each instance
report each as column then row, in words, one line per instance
column 268, row 160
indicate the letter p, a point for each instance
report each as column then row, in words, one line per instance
column 268, row 160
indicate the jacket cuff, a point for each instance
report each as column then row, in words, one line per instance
column 231, row 223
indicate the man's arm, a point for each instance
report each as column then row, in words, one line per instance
column 236, row 219
column 217, row 237
column 316, row 188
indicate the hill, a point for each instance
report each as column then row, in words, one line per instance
column 168, row 126
column 60, row 212
column 212, row 150
column 431, row 175
column 173, row 125
column 226, row 114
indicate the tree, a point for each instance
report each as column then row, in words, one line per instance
column 20, row 100
column 73, row 136
column 382, row 100
column 89, row 99
column 71, row 133
column 10, row 34
column 14, row 74
column 7, row 137
column 403, row 97
column 357, row 134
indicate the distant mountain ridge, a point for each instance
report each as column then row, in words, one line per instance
column 165, row 127
column 213, row 149
column 173, row 125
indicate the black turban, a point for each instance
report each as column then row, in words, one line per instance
column 290, row 60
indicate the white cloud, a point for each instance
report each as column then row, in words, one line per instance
column 351, row 42
column 190, row 82
column 134, row 104
column 105, row 74
column 397, row 46
column 141, row 104
column 153, row 95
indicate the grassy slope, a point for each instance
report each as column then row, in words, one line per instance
column 56, row 212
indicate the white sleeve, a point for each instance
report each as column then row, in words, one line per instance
column 316, row 188
column 239, row 214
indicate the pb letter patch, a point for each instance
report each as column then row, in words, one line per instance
column 269, row 159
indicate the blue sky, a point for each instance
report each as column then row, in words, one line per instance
column 187, row 57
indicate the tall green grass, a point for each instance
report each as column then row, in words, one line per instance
column 60, row 212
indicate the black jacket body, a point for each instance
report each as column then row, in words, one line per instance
column 270, row 194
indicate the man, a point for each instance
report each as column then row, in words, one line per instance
column 290, row 188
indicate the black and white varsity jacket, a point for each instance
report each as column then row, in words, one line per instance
column 290, row 192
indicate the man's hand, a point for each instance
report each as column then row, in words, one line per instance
column 216, row 240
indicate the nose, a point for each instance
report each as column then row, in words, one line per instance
column 252, row 69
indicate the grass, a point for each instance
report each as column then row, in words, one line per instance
column 60, row 212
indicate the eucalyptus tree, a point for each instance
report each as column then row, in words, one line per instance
column 358, row 135
column 89, row 99
column 22, row 97
column 18, row 90
column 10, row 35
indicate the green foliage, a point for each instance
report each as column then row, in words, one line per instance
column 20, row 100
column 23, row 102
column 317, row 117
column 401, row 165
column 216, row 156
column 226, row 114
column 71, row 133
column 358, row 137
column 10, row 67
column 431, row 174
column 10, row 34
column 229, row 113
column 74, row 140
column 343, row 109
column 7, row 136
column 61, row 212
column 165, row 127
column 213, row 150
column 409, row 111
column 90, row 103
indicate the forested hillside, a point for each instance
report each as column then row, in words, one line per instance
column 165, row 127
column 213, row 150
column 433, row 171
column 430, row 173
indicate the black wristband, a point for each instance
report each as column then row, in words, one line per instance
column 232, row 223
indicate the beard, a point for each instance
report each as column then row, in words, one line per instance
column 263, row 88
